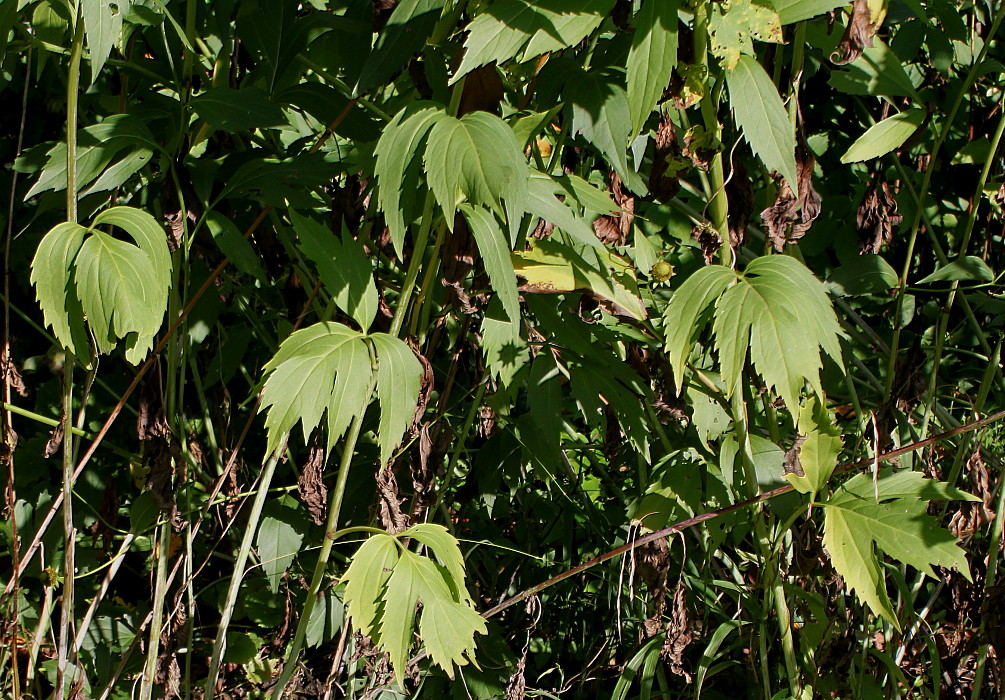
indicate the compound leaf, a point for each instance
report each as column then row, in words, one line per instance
column 365, row 580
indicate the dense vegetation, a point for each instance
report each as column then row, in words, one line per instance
column 502, row 348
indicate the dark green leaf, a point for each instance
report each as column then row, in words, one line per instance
column 405, row 34
column 652, row 58
column 237, row 110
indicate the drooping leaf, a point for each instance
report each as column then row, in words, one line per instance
column 652, row 57
column 235, row 246
column 365, row 581
column 865, row 274
column 495, row 250
column 503, row 346
column 447, row 551
column 733, row 26
column 321, row 369
column 102, row 27
column 399, row 377
column 448, row 629
column 550, row 267
column 969, row 268
column 237, row 110
column 855, row 523
column 542, row 202
column 396, row 168
column 404, row 35
column 343, row 267
column 286, row 182
column 762, row 117
column 885, row 136
column 523, row 29
column 544, row 396
column 52, row 275
column 689, row 310
column 877, row 71
column 279, row 539
column 326, row 620
column 117, row 285
column 476, row 159
column 780, row 311
column 149, row 236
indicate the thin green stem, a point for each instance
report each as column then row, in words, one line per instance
column 716, row 196
column 220, row 643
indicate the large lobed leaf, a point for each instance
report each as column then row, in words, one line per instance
column 524, row 29
column 897, row 523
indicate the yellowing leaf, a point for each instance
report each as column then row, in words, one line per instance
column 735, row 23
column 897, row 523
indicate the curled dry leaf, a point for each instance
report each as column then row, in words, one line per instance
column 700, row 146
column 709, row 240
column 161, row 452
column 457, row 257
column 668, row 161
column 877, row 215
column 55, row 437
column 680, row 633
column 740, row 196
column 790, row 217
column 792, row 465
column 972, row 515
column 862, row 27
column 310, row 486
column 428, row 462
column 392, row 518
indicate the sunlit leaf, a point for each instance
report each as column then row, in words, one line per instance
column 885, row 136
column 399, row 377
column 652, row 57
column 495, row 250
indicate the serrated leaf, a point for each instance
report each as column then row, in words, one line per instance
column 476, row 159
column 279, row 539
column 969, row 268
column 398, row 620
column 898, row 524
column 232, row 110
column 326, row 620
column 319, row 370
column 399, row 378
column 761, row 116
column 503, row 347
column 448, row 631
column 149, row 236
column 495, row 251
column 733, row 25
column 816, row 454
column 689, row 311
column 524, row 29
column 791, row 11
column 396, row 168
column 52, row 275
column 542, row 202
column 365, row 581
column 446, row 550
column 404, row 35
column 102, row 26
column 116, row 283
column 343, row 267
column 652, row 58
column 781, row 312
column 885, row 136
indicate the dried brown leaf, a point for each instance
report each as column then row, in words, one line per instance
column 857, row 35
column 790, row 217
column 392, row 518
column 876, row 217
column 311, row 486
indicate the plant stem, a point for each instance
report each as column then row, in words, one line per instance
column 331, row 533
column 67, row 615
column 220, row 643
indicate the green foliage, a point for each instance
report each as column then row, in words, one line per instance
column 385, row 582
column 889, row 514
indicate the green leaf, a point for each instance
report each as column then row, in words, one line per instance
column 401, row 596
column 734, row 24
column 322, row 369
column 969, row 268
column 396, row 168
column 237, row 110
column 897, row 523
column 865, row 274
column 781, row 312
column 877, row 72
column 524, row 29
column 399, row 378
column 476, row 159
column 343, row 266
column 8, row 16
column 102, row 27
column 149, row 236
column 652, row 58
column 815, row 454
column 885, row 136
column 118, row 288
column 404, row 35
column 447, row 551
column 549, row 267
column 542, row 202
column 761, row 116
column 448, row 631
column 689, row 310
column 236, row 247
column 791, row 11
column 279, row 539
column 52, row 275
column 326, row 620
column 495, row 251
column 504, row 348
column 365, row 581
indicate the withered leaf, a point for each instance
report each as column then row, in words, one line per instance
column 664, row 182
column 876, row 217
column 857, row 35
column 792, row 465
column 392, row 518
column 790, row 217
column 709, row 240
column 311, row 486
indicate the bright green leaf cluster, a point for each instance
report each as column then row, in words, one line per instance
column 777, row 309
column 120, row 288
column 892, row 515
column 329, row 370
column 385, row 582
